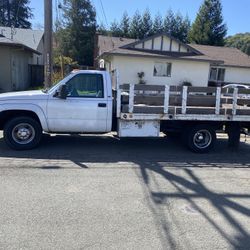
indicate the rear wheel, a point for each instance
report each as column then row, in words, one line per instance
column 201, row 138
column 22, row 133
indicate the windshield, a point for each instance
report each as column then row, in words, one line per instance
column 54, row 86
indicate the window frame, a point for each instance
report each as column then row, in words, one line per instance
column 217, row 74
column 88, row 97
column 169, row 64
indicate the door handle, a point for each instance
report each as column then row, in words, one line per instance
column 102, row 105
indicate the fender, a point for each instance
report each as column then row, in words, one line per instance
column 27, row 107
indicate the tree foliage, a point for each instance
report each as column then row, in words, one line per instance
column 115, row 29
column 140, row 26
column 239, row 41
column 176, row 25
column 76, row 37
column 136, row 26
column 209, row 27
column 158, row 24
column 125, row 23
column 15, row 13
column 146, row 24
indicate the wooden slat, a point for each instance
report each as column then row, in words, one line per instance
column 224, row 91
column 231, row 91
column 209, row 90
column 200, row 111
column 244, row 91
column 243, row 102
column 175, row 88
column 239, row 112
column 146, row 87
column 124, row 87
column 144, row 109
column 174, row 100
column 243, row 112
column 226, row 100
column 148, row 110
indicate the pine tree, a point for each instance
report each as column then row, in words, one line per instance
column 101, row 29
column 115, row 29
column 146, row 25
column 136, row 26
column 158, row 24
column 209, row 28
column 124, row 25
column 176, row 25
column 181, row 27
column 15, row 13
column 78, row 34
column 169, row 22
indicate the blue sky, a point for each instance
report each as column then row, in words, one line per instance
column 236, row 13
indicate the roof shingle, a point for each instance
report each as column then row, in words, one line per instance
column 230, row 56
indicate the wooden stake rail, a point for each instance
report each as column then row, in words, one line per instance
column 175, row 102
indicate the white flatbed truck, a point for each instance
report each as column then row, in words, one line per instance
column 84, row 103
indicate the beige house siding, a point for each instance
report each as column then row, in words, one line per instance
column 195, row 72
column 237, row 75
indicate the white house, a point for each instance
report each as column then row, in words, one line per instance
column 165, row 60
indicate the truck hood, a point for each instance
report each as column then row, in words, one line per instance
column 24, row 95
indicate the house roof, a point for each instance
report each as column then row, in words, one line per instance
column 215, row 55
column 13, row 43
column 108, row 43
column 123, row 47
column 27, row 37
column 230, row 56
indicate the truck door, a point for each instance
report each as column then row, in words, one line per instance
column 85, row 109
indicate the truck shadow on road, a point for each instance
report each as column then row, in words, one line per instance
column 190, row 189
column 108, row 149
column 156, row 157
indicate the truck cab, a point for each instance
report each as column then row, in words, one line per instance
column 80, row 103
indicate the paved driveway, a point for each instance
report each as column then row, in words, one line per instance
column 101, row 193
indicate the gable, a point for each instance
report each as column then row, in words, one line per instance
column 163, row 43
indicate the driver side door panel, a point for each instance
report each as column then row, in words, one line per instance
column 85, row 109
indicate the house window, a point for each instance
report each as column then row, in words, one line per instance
column 217, row 74
column 163, row 69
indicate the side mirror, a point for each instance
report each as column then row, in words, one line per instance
column 62, row 92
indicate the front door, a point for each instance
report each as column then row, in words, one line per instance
column 85, row 109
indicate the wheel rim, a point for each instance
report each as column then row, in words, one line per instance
column 202, row 139
column 23, row 133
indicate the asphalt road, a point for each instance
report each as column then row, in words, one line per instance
column 101, row 193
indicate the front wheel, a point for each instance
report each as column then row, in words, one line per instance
column 22, row 133
column 201, row 138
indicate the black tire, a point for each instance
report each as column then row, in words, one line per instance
column 200, row 138
column 22, row 133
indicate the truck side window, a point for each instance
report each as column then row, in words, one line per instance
column 86, row 86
